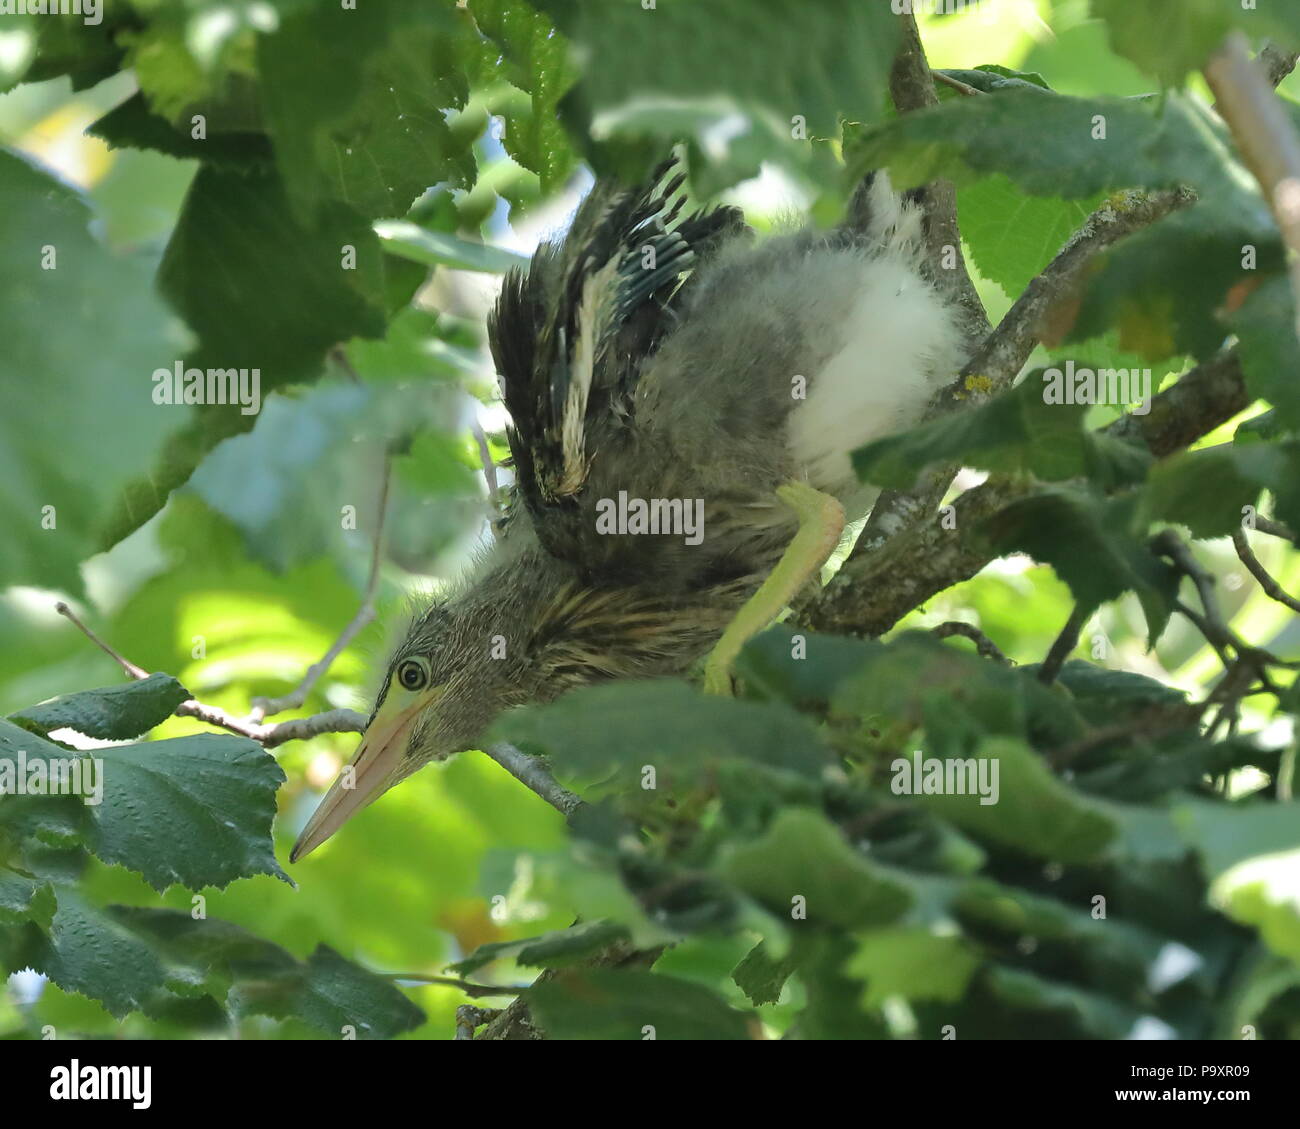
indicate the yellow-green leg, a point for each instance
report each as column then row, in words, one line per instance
column 821, row 522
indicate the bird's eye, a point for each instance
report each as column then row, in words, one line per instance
column 413, row 674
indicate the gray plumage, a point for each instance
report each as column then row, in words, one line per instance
column 659, row 357
column 691, row 397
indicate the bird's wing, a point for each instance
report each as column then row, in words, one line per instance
column 570, row 335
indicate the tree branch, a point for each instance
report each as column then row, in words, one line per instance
column 852, row 601
column 911, row 86
column 1271, row 587
column 1274, row 528
column 533, row 773
column 268, row 736
column 1245, row 666
column 1061, row 648
column 529, row 771
column 984, row 646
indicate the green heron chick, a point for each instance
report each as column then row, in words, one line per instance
column 671, row 366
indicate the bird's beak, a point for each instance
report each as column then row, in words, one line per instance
column 372, row 772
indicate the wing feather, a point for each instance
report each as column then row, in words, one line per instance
column 571, row 334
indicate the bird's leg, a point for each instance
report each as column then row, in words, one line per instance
column 821, row 522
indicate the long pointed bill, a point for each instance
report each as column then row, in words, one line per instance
column 372, row 771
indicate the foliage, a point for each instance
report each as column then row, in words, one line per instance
column 317, row 192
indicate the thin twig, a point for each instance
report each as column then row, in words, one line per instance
column 984, row 646
column 528, row 770
column 1271, row 587
column 1167, row 543
column 268, row 736
column 1060, row 650
column 472, row 990
column 1274, row 528
column 131, row 669
column 269, row 707
column 1245, row 666
column 956, row 84
column 532, row 772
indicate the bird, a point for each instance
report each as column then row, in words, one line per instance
column 684, row 398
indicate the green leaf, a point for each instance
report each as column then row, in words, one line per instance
column 25, row 899
column 252, row 976
column 557, row 949
column 263, row 293
column 414, row 349
column 320, row 451
column 354, row 100
column 1169, row 39
column 1034, row 811
column 664, row 723
column 760, row 976
column 440, row 249
column 1088, row 542
column 1104, row 695
column 1115, row 955
column 1270, row 355
column 537, row 62
column 1011, row 236
column 799, row 667
column 86, row 53
column 991, row 78
column 655, row 75
column 1035, row 997
column 1051, row 145
column 70, row 380
column 262, row 290
column 133, row 125
column 603, row 1004
column 87, row 952
column 1209, row 490
column 1031, row 428
column 112, row 713
column 340, row 997
column 1250, row 853
column 803, row 855
column 194, row 810
column 916, row 680
column 913, row 963
column 1165, row 289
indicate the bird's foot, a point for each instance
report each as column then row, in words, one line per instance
column 717, row 676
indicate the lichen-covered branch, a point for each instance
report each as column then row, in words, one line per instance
column 532, row 773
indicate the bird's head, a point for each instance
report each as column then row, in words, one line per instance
column 460, row 663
